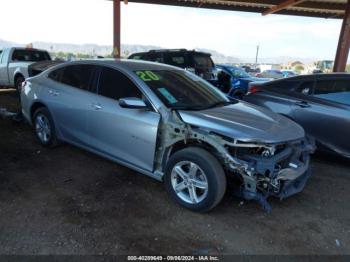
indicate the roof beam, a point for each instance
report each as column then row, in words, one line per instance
column 324, row 10
column 344, row 43
column 282, row 6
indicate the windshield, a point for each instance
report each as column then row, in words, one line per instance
column 182, row 89
column 239, row 72
column 28, row 55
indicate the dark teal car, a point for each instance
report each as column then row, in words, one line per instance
column 234, row 81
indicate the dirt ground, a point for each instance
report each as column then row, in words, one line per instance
column 68, row 201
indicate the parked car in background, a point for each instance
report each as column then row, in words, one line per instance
column 275, row 74
column 172, row 125
column 320, row 103
column 317, row 71
column 15, row 64
column 238, row 82
column 196, row 62
column 288, row 73
column 250, row 70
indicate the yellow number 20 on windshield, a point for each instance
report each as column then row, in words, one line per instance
column 147, row 76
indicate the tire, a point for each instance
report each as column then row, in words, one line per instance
column 44, row 127
column 207, row 173
column 18, row 83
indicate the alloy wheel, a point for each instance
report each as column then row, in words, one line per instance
column 189, row 182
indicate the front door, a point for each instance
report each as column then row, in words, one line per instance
column 125, row 134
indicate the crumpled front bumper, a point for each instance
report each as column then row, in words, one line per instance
column 291, row 179
column 295, row 185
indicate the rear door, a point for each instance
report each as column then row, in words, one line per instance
column 128, row 135
column 69, row 100
column 327, row 114
column 308, row 111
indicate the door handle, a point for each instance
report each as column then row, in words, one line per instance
column 54, row 93
column 96, row 106
column 302, row 104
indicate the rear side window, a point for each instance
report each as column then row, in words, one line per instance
column 305, row 88
column 285, row 85
column 337, row 90
column 324, row 87
column 156, row 57
column 56, row 75
column 176, row 59
column 342, row 85
column 139, row 56
column 202, row 61
column 78, row 76
column 115, row 85
column 30, row 55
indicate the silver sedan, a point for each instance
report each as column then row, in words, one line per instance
column 169, row 124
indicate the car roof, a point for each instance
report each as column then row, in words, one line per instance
column 309, row 77
column 153, row 51
column 332, row 75
column 127, row 64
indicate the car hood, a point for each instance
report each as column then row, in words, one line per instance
column 245, row 122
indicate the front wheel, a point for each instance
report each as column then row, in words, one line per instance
column 195, row 179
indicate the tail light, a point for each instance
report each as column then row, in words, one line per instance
column 254, row 89
column 23, row 85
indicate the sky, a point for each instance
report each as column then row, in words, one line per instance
column 231, row 33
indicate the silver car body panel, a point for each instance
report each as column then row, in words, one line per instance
column 144, row 139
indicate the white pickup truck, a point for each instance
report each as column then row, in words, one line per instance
column 16, row 63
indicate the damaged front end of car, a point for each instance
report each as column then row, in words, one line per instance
column 262, row 169
column 278, row 170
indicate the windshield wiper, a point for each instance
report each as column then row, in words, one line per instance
column 188, row 108
column 221, row 103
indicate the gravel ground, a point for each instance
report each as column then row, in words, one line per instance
column 68, row 201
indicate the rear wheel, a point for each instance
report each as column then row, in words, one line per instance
column 195, row 179
column 44, row 127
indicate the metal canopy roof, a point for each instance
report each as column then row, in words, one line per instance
column 310, row 8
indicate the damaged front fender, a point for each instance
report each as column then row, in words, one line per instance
column 278, row 170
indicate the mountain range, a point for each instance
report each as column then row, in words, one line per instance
column 127, row 49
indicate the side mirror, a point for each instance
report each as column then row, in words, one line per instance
column 132, row 102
